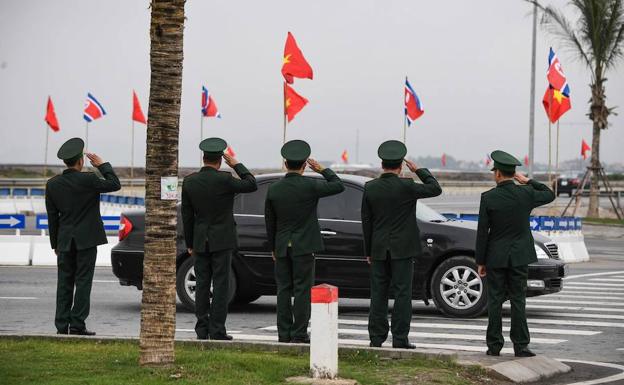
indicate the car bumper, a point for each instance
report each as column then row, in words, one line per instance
column 546, row 276
column 128, row 266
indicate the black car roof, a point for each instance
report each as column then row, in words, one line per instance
column 355, row 179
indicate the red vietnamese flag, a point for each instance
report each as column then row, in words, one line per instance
column 230, row 151
column 345, row 156
column 584, row 149
column 137, row 112
column 556, row 103
column 293, row 102
column 294, row 65
column 50, row 117
column 443, row 159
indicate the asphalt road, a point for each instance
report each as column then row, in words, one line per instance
column 584, row 322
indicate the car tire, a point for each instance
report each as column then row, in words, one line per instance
column 185, row 284
column 449, row 278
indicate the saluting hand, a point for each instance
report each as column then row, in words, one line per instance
column 230, row 160
column 521, row 178
column 96, row 161
column 411, row 165
column 315, row 166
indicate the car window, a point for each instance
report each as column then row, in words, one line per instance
column 252, row 203
column 347, row 205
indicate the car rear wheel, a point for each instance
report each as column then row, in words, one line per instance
column 457, row 289
column 186, row 283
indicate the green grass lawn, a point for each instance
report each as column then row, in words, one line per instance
column 68, row 362
column 604, row 221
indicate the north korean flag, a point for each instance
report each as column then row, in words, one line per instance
column 208, row 106
column 413, row 106
column 93, row 109
column 555, row 75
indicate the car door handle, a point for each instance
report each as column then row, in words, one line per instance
column 328, row 232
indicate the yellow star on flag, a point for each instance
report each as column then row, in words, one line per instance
column 287, row 102
column 286, row 59
column 558, row 95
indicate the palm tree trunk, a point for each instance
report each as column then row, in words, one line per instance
column 159, row 265
column 598, row 114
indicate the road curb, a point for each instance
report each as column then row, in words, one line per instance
column 506, row 368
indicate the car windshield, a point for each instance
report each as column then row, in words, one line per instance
column 427, row 214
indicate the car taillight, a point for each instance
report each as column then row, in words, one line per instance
column 575, row 181
column 125, row 227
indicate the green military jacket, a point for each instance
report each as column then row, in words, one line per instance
column 290, row 212
column 504, row 238
column 207, row 207
column 389, row 214
column 73, row 205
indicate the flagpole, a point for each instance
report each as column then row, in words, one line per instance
column 132, row 154
column 45, row 161
column 201, row 138
column 404, row 120
column 285, row 123
column 357, row 146
column 86, row 135
column 557, row 158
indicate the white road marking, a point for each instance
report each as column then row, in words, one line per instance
column 104, row 281
column 532, row 300
column 588, row 289
column 19, row 298
column 618, row 276
column 426, row 325
column 601, row 285
column 570, row 308
column 580, row 315
column 193, row 331
column 593, row 274
column 544, row 321
column 604, row 380
column 604, row 296
column 620, row 280
column 442, row 336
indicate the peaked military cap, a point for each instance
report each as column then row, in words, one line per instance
column 504, row 162
column 71, row 149
column 213, row 146
column 296, row 150
column 392, row 151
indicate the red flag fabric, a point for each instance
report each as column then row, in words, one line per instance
column 443, row 159
column 345, row 156
column 293, row 102
column 294, row 65
column 526, row 160
column 555, row 75
column 50, row 117
column 137, row 112
column 584, row 149
column 556, row 103
column 230, row 152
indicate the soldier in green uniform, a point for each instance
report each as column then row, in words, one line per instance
column 210, row 233
column 392, row 241
column 76, row 229
column 294, row 236
column 505, row 248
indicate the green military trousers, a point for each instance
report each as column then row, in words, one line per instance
column 503, row 283
column 294, row 276
column 212, row 267
column 390, row 276
column 75, row 271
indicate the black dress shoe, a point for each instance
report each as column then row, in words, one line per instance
column 222, row 337
column 81, row 332
column 374, row 345
column 525, row 353
column 301, row 340
column 403, row 345
column 64, row 331
column 284, row 340
column 203, row 338
column 492, row 353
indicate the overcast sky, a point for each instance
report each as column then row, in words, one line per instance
column 469, row 61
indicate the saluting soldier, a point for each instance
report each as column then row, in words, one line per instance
column 76, row 229
column 294, row 236
column 505, row 248
column 210, row 233
column 392, row 241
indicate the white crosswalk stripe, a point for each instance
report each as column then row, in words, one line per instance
column 592, row 288
column 554, row 300
column 603, row 285
column 573, row 308
column 620, row 280
column 602, row 294
column 606, row 296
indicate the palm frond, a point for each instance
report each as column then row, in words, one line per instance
column 615, row 38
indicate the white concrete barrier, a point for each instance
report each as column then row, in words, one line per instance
column 15, row 250
column 571, row 245
column 324, row 332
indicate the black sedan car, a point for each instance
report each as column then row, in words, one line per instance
column 446, row 273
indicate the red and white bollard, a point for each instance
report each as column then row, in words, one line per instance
column 324, row 332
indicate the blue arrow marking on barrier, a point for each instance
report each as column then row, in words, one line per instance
column 12, row 221
column 41, row 222
column 534, row 224
column 547, row 223
column 111, row 222
column 579, row 223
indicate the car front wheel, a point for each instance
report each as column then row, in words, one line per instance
column 457, row 289
column 186, row 284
